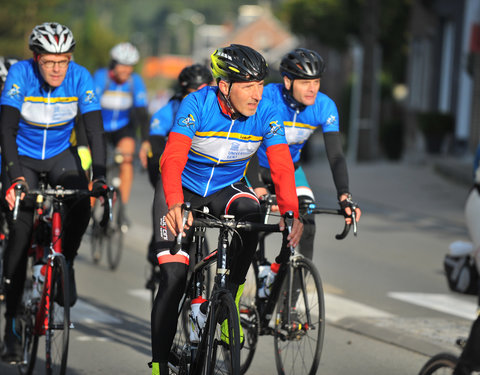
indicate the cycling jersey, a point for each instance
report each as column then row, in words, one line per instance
column 117, row 99
column 162, row 121
column 47, row 114
column 299, row 125
column 221, row 147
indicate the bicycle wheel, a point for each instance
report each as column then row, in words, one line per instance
column 97, row 232
column 222, row 357
column 443, row 363
column 58, row 318
column 249, row 319
column 115, row 231
column 30, row 339
column 298, row 341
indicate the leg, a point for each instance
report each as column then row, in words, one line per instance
column 126, row 146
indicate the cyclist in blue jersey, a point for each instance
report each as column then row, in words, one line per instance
column 302, row 109
column 41, row 99
column 123, row 98
column 216, row 132
column 190, row 79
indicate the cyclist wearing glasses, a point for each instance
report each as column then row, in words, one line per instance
column 38, row 108
column 302, row 109
column 123, row 98
column 216, row 132
column 190, row 79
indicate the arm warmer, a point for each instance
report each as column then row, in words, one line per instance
column 336, row 159
column 140, row 120
column 96, row 139
column 172, row 163
column 9, row 118
column 283, row 176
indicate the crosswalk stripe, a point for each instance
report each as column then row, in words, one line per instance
column 87, row 313
column 444, row 303
column 338, row 308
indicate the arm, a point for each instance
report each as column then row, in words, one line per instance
column 96, row 139
column 9, row 118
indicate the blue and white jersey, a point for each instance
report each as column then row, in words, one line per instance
column 117, row 99
column 162, row 121
column 47, row 114
column 300, row 125
column 221, row 147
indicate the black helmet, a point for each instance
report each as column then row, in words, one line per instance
column 51, row 37
column 194, row 76
column 237, row 63
column 302, row 63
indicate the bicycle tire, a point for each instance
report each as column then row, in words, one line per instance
column 249, row 318
column 115, row 231
column 58, row 330
column 97, row 233
column 298, row 344
column 442, row 363
column 30, row 338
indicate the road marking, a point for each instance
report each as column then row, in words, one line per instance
column 445, row 303
column 93, row 338
column 143, row 294
column 87, row 313
column 338, row 308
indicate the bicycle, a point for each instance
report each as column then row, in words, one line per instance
column 211, row 355
column 109, row 237
column 45, row 310
column 296, row 301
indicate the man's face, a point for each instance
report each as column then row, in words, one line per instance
column 244, row 96
column 53, row 67
column 304, row 90
column 122, row 72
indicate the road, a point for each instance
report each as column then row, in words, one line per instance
column 387, row 303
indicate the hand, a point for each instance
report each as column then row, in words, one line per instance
column 10, row 194
column 174, row 219
column 98, row 186
column 145, row 149
column 348, row 210
column 296, row 233
column 260, row 192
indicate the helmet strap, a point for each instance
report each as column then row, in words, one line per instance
column 226, row 99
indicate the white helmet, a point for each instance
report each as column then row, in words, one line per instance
column 125, row 54
column 5, row 64
column 51, row 37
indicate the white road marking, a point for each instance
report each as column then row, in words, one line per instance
column 445, row 303
column 87, row 313
column 143, row 294
column 337, row 308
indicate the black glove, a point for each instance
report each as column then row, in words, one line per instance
column 99, row 187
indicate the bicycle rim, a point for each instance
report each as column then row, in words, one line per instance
column 298, row 342
column 30, row 341
column 115, row 232
column 249, row 319
column 222, row 358
column 58, row 330
column 440, row 364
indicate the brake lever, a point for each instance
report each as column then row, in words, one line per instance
column 178, row 243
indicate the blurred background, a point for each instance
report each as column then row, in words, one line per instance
column 405, row 74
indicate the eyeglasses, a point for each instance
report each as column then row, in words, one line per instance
column 49, row 64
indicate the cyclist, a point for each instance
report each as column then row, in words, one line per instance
column 302, row 108
column 123, row 98
column 216, row 131
column 190, row 79
column 41, row 98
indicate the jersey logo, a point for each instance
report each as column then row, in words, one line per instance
column 155, row 123
column 89, row 96
column 331, row 120
column 275, row 128
column 14, row 91
column 188, row 121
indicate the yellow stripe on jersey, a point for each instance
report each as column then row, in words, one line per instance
column 242, row 137
column 40, row 99
column 299, row 125
column 45, row 125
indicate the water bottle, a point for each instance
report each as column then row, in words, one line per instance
column 39, row 270
column 198, row 317
column 264, row 291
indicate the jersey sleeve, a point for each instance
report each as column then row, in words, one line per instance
column 162, row 121
column 140, row 98
column 328, row 115
column 87, row 98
